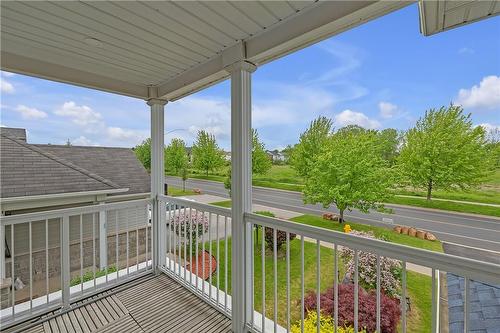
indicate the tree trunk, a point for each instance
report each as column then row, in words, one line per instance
column 341, row 218
column 183, row 185
column 207, row 172
column 429, row 189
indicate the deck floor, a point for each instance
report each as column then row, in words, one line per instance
column 156, row 304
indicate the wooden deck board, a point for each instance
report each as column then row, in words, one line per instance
column 155, row 304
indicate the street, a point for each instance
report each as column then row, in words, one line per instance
column 475, row 237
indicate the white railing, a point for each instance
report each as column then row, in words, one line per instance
column 196, row 237
column 64, row 255
column 310, row 245
column 324, row 240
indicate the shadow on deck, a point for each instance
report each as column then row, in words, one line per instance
column 148, row 304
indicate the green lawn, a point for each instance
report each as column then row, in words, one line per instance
column 178, row 192
column 379, row 232
column 225, row 203
column 419, row 286
column 445, row 205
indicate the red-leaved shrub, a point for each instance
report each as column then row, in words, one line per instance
column 280, row 238
column 390, row 310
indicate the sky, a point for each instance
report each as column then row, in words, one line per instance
column 383, row 74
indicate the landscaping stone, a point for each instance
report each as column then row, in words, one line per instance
column 404, row 230
column 420, row 234
column 412, row 232
column 397, row 229
column 430, row 236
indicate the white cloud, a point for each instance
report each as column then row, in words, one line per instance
column 490, row 127
column 30, row 113
column 387, row 110
column 466, row 50
column 122, row 134
column 83, row 141
column 6, row 87
column 348, row 117
column 485, row 95
column 80, row 114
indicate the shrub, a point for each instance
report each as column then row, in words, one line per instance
column 390, row 269
column 280, row 238
column 326, row 325
column 181, row 224
column 390, row 310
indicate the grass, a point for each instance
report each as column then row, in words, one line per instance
column 178, row 192
column 419, row 289
column 446, row 205
column 419, row 286
column 89, row 275
column 379, row 232
column 225, row 203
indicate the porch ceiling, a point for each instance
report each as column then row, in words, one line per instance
column 176, row 47
column 162, row 49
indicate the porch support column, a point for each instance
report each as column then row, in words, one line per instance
column 241, row 192
column 157, row 180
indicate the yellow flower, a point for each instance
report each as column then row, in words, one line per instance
column 347, row 228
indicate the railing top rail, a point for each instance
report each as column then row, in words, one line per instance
column 196, row 205
column 50, row 214
column 473, row 269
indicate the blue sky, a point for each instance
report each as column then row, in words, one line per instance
column 382, row 74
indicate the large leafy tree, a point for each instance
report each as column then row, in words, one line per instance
column 444, row 150
column 261, row 163
column 305, row 153
column 389, row 140
column 207, row 155
column 349, row 172
column 143, row 153
column 176, row 156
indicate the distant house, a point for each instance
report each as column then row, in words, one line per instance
column 276, row 156
column 36, row 177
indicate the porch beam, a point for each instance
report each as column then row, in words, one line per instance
column 157, row 180
column 313, row 24
column 34, row 67
column 241, row 192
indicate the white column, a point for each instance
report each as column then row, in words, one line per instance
column 2, row 251
column 157, row 180
column 103, row 240
column 241, row 192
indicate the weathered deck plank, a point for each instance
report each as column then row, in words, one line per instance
column 156, row 304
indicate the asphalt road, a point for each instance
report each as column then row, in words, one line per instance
column 455, row 228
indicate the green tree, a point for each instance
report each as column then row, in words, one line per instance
column 175, row 156
column 349, row 172
column 260, row 161
column 207, row 155
column 306, row 152
column 184, row 176
column 143, row 153
column 287, row 152
column 389, row 140
column 227, row 181
column 444, row 150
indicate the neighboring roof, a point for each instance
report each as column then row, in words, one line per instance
column 119, row 165
column 16, row 133
column 26, row 170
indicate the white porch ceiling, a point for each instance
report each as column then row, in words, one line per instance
column 442, row 15
column 166, row 49
column 176, row 47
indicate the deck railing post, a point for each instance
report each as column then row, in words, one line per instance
column 103, row 240
column 157, row 181
column 65, row 261
column 241, row 193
